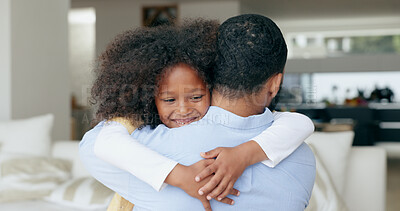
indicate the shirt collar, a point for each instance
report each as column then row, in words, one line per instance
column 221, row 116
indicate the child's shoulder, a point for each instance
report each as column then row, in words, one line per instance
column 128, row 124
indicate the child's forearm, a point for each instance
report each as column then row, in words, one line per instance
column 288, row 132
column 251, row 152
column 115, row 146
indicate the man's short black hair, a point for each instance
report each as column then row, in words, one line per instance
column 250, row 49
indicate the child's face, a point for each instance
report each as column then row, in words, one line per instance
column 182, row 97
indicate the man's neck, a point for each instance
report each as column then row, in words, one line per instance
column 244, row 107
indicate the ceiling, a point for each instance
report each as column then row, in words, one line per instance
column 307, row 9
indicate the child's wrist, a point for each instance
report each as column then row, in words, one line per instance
column 173, row 177
column 252, row 152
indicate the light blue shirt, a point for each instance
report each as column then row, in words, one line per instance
column 288, row 186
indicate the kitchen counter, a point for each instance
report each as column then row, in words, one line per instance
column 373, row 123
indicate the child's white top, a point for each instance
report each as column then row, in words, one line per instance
column 115, row 146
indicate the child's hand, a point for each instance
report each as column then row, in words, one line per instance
column 182, row 177
column 228, row 167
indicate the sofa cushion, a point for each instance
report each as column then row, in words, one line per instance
column 366, row 179
column 69, row 150
column 82, row 193
column 36, row 205
column 333, row 149
column 31, row 177
column 324, row 195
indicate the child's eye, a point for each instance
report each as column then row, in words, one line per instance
column 197, row 98
column 169, row 100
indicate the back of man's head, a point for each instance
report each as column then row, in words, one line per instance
column 251, row 49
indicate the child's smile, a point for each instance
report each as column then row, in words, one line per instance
column 185, row 121
column 182, row 97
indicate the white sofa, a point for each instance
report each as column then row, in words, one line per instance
column 61, row 149
column 365, row 181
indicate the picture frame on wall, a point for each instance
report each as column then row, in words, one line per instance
column 159, row 15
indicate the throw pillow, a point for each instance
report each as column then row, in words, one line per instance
column 27, row 136
column 82, row 193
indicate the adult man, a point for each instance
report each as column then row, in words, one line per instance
column 251, row 57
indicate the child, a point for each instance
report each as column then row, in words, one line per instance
column 178, row 61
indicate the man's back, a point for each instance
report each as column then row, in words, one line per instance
column 285, row 187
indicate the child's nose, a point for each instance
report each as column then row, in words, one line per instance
column 184, row 108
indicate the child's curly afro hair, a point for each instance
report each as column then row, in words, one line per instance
column 129, row 70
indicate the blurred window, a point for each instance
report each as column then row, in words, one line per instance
column 335, row 88
column 323, row 44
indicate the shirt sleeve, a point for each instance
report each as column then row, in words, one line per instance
column 285, row 135
column 116, row 146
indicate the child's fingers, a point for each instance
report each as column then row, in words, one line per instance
column 227, row 201
column 207, row 162
column 229, row 190
column 212, row 153
column 218, row 190
column 234, row 192
column 207, row 188
column 206, row 205
column 210, row 169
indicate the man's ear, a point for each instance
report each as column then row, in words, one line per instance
column 275, row 84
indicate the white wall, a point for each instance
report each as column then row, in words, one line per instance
column 220, row 10
column 39, row 61
column 81, row 60
column 317, row 9
column 113, row 17
column 5, row 61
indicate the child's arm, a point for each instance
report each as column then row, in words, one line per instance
column 286, row 134
column 273, row 145
column 115, row 146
